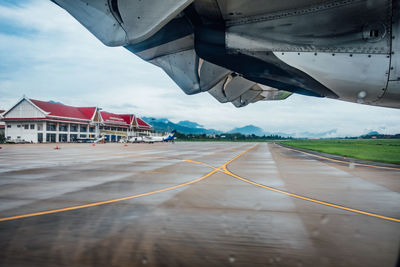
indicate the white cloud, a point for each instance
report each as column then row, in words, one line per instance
column 54, row 57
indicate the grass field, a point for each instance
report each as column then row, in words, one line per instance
column 380, row 150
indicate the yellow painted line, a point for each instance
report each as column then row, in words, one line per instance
column 223, row 165
column 226, row 171
column 311, row 199
column 201, row 163
column 342, row 161
column 122, row 198
column 107, row 201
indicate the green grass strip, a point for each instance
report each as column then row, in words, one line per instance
column 379, row 150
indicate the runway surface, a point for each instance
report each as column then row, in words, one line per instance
column 193, row 204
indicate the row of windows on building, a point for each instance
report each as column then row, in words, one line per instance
column 64, row 128
column 25, row 126
column 51, row 137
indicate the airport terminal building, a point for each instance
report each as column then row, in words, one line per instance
column 38, row 121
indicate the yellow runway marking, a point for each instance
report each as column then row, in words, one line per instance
column 226, row 171
column 310, row 199
column 202, row 163
column 341, row 161
column 128, row 197
column 223, row 166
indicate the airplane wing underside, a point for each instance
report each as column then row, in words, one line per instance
column 251, row 50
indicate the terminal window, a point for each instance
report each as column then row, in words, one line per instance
column 51, row 138
column 63, row 128
column 51, row 127
column 32, row 126
column 73, row 137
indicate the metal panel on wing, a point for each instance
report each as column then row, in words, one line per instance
column 236, row 86
column 360, row 27
column 211, row 74
column 247, row 97
column 96, row 16
column 141, row 19
column 182, row 67
column 353, row 77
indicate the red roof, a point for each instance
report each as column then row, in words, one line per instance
column 88, row 111
column 127, row 118
column 142, row 123
column 61, row 110
column 1, row 111
column 112, row 118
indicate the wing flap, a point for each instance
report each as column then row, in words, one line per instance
column 182, row 68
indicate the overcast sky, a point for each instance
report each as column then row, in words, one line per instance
column 45, row 54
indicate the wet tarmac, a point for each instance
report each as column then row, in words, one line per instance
column 193, row 204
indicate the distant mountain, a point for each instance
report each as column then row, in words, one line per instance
column 185, row 127
column 190, row 124
column 251, row 129
column 327, row 134
column 372, row 133
column 247, row 130
column 55, row 102
column 190, row 127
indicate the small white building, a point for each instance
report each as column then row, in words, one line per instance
column 36, row 121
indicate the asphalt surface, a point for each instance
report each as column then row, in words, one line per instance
column 193, row 204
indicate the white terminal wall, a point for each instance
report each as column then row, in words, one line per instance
column 25, row 110
column 15, row 132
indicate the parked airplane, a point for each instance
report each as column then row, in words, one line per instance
column 166, row 138
column 136, row 139
column 244, row 51
column 153, row 139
